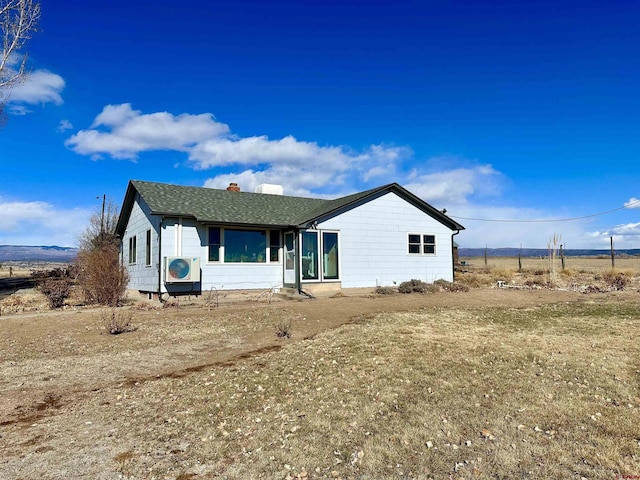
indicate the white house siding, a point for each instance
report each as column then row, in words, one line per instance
column 374, row 244
column 188, row 238
column 141, row 276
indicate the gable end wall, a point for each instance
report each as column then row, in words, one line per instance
column 374, row 244
column 141, row 277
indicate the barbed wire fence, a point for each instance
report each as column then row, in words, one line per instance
column 565, row 253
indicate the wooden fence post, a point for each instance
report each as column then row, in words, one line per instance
column 613, row 258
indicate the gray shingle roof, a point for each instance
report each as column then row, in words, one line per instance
column 208, row 205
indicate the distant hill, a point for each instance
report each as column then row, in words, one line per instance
column 24, row 253
column 540, row 252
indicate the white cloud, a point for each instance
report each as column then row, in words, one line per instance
column 632, row 203
column 29, row 222
column 257, row 150
column 455, row 186
column 41, row 86
column 121, row 132
column 300, row 166
column 65, row 125
column 129, row 132
column 622, row 230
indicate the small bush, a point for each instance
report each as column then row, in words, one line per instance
column 568, row 273
column 413, row 285
column 56, row 289
column 102, row 278
column 615, row 280
column 537, row 283
column 386, row 290
column 473, row 280
column 116, row 322
column 503, row 274
column 445, row 286
column 283, row 328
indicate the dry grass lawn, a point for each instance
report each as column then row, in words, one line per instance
column 490, row 383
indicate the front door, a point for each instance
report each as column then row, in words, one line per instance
column 289, row 259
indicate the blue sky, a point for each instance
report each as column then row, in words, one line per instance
column 499, row 110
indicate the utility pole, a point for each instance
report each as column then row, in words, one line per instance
column 101, row 237
column 104, row 199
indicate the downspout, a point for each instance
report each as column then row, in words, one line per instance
column 453, row 260
column 160, row 259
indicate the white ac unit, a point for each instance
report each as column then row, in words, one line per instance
column 182, row 269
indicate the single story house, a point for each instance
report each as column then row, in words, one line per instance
column 183, row 240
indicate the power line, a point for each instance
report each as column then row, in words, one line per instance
column 569, row 219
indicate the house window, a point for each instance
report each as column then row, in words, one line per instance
column 309, row 255
column 429, row 244
column 230, row 245
column 133, row 247
column 319, row 255
column 147, row 249
column 330, row 255
column 422, row 244
column 214, row 244
column 245, row 246
column 274, row 246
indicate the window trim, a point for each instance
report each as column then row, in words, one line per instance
column 273, row 246
column 148, row 248
column 218, row 245
column 321, row 274
column 338, row 275
column 221, row 246
column 422, row 244
column 133, row 250
column 312, row 262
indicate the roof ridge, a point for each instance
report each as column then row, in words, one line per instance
column 173, row 185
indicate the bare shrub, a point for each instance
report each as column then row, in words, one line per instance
column 413, row 285
column 283, row 328
column 569, row 273
column 57, row 290
column 504, row 274
column 537, row 282
column 102, row 279
column 386, row 290
column 615, row 280
column 446, row 286
column 116, row 322
column 473, row 280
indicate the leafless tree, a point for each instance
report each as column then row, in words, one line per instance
column 102, row 277
column 102, row 226
column 18, row 20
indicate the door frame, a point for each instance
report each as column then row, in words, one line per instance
column 290, row 264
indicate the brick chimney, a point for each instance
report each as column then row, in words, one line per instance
column 233, row 187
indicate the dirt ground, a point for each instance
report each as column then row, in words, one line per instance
column 49, row 359
column 50, row 362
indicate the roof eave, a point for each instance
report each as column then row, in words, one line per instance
column 391, row 187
